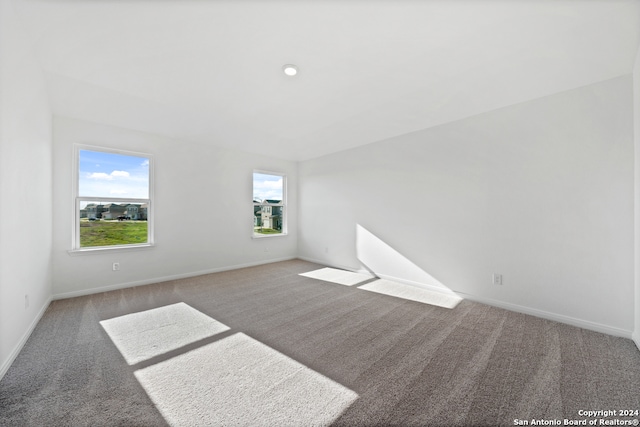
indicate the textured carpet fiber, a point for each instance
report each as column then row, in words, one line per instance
column 341, row 277
column 300, row 351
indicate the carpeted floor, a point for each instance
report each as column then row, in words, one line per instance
column 266, row 346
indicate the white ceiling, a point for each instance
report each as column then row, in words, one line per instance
column 210, row 71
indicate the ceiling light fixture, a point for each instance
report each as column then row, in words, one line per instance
column 290, row 69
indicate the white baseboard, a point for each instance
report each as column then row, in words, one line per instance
column 581, row 323
column 635, row 336
column 18, row 348
column 426, row 286
column 561, row 318
column 118, row 286
column 334, row 265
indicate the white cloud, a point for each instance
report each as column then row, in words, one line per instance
column 118, row 192
column 100, row 175
column 108, row 177
column 264, row 189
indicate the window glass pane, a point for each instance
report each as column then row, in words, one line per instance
column 267, row 187
column 104, row 174
column 268, row 197
column 113, row 223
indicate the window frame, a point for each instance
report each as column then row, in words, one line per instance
column 282, row 204
column 77, row 200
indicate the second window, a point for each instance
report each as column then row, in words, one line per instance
column 269, row 203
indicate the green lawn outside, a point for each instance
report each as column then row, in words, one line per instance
column 109, row 233
column 260, row 230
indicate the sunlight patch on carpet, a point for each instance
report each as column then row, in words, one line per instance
column 238, row 381
column 341, row 277
column 141, row 336
column 413, row 293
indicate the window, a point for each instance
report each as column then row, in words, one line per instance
column 269, row 204
column 113, row 199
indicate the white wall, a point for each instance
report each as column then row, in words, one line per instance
column 541, row 192
column 636, row 117
column 203, row 211
column 25, row 188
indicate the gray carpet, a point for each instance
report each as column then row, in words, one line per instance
column 284, row 349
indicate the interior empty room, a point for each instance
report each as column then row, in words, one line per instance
column 297, row 213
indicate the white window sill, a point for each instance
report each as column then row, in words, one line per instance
column 109, row 249
column 265, row 236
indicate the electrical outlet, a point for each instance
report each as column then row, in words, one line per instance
column 116, row 266
column 497, row 279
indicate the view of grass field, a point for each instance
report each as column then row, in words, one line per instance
column 109, row 233
column 261, row 230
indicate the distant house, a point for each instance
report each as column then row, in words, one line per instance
column 133, row 211
column 113, row 211
column 137, row 212
column 94, row 211
column 257, row 214
column 268, row 214
column 143, row 212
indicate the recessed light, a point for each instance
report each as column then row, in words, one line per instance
column 290, row 69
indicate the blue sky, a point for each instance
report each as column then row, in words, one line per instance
column 113, row 175
column 267, row 187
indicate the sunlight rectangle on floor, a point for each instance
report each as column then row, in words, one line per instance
column 239, row 381
column 146, row 334
column 341, row 277
column 413, row 293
